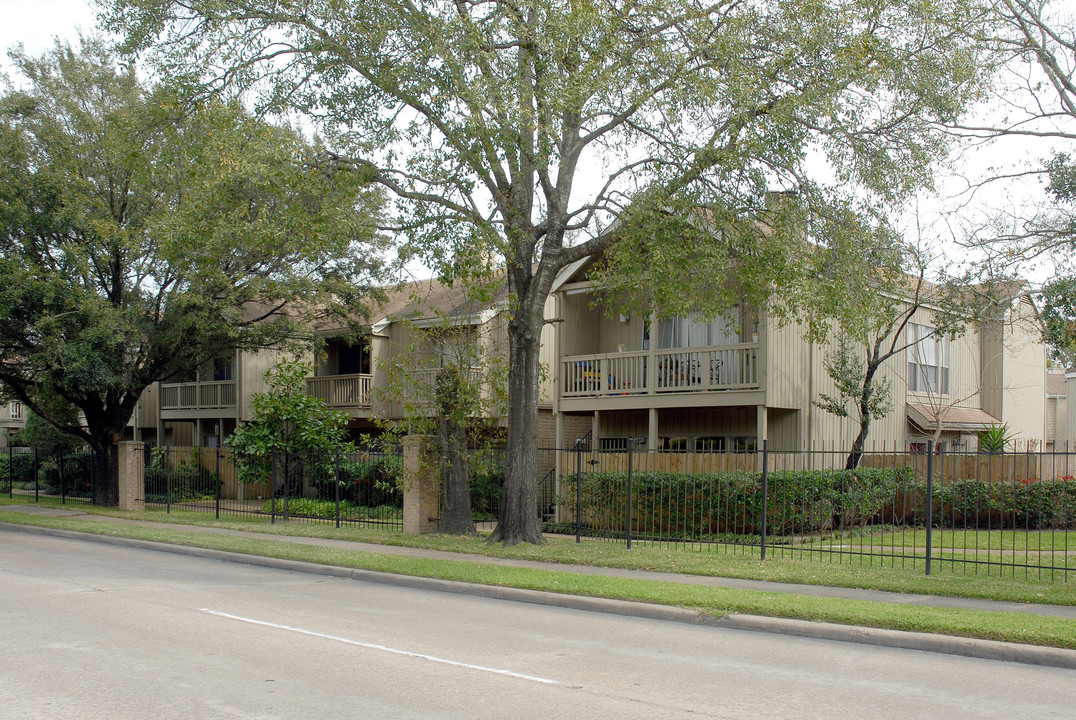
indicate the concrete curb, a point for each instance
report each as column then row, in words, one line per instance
column 925, row 642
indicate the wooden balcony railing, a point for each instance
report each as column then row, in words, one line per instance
column 341, row 391
column 198, row 395
column 701, row 369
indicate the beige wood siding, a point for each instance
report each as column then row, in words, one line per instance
column 786, row 369
column 250, row 374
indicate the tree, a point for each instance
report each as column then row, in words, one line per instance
column 40, row 434
column 856, row 383
column 1058, row 312
column 450, row 380
column 524, row 131
column 885, row 335
column 141, row 236
column 1033, row 57
column 290, row 432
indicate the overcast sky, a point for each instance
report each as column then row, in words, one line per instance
column 35, row 22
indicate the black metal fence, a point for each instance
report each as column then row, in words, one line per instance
column 342, row 488
column 70, row 477
column 1010, row 514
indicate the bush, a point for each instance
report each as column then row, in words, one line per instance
column 70, row 475
column 730, row 503
column 20, row 471
column 487, row 483
column 374, row 482
column 1030, row 504
column 187, row 481
column 326, row 509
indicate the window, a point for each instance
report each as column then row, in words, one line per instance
column 710, row 444
column 675, row 444
column 353, row 359
column 744, row 444
column 695, row 331
column 614, row 443
column 928, row 360
column 223, row 369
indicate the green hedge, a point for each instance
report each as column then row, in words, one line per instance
column 810, row 501
column 1021, row 504
column 184, row 484
column 326, row 509
column 21, row 469
column 730, row 503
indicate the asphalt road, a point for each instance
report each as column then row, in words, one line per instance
column 99, row 631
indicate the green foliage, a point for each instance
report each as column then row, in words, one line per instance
column 179, row 480
column 326, row 509
column 870, row 397
column 17, row 468
column 487, row 483
column 995, row 438
column 1028, row 504
column 298, row 430
column 141, row 234
column 730, row 503
column 727, row 506
column 43, row 435
column 1058, row 313
column 371, row 483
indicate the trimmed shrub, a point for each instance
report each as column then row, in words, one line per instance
column 326, row 509
column 730, row 503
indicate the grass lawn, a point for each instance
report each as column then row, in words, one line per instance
column 836, row 571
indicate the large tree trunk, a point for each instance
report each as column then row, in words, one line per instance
column 106, row 480
column 519, row 501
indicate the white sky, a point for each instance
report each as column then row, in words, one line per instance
column 35, row 22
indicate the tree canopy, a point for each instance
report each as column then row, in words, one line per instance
column 522, row 132
column 288, row 427
column 1032, row 45
column 141, row 236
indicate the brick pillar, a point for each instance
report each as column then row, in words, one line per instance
column 422, row 488
column 132, row 472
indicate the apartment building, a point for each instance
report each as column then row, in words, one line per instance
column 376, row 374
column 695, row 384
column 12, row 419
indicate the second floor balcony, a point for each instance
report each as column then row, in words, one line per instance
column 651, row 372
column 342, row 391
column 206, row 395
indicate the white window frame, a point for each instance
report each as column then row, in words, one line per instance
column 929, row 357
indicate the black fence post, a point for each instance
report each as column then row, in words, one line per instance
column 220, row 483
column 286, row 481
column 336, row 485
column 631, row 457
column 578, row 489
column 60, row 473
column 765, row 494
column 37, row 478
column 10, row 473
column 168, row 487
column 930, row 501
column 272, row 487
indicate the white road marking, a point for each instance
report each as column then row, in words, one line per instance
column 383, row 648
